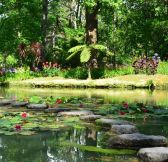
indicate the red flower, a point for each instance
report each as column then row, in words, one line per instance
column 59, row 101
column 18, row 127
column 122, row 113
column 24, row 115
column 125, row 105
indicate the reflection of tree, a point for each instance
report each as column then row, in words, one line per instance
column 23, row 149
column 48, row 147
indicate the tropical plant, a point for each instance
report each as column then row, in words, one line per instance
column 88, row 54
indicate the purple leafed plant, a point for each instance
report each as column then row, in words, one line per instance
column 146, row 65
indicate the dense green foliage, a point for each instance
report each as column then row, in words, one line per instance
column 128, row 29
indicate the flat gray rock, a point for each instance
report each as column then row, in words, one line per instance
column 19, row 104
column 37, row 106
column 124, row 129
column 161, row 111
column 5, row 102
column 136, row 140
column 75, row 113
column 110, row 122
column 90, row 118
column 56, row 110
column 154, row 154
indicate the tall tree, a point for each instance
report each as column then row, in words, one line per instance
column 44, row 23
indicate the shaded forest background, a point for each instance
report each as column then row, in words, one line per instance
column 127, row 28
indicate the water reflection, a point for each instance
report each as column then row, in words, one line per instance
column 48, row 147
column 159, row 97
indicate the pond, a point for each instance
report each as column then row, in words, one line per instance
column 159, row 97
column 75, row 144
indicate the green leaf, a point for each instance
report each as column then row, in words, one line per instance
column 85, row 55
column 99, row 47
column 75, row 50
column 35, row 99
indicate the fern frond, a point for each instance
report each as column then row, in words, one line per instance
column 85, row 55
column 76, row 49
column 70, row 56
column 99, row 47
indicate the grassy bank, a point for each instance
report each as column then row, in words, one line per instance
column 127, row 81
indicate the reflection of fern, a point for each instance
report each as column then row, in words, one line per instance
column 85, row 51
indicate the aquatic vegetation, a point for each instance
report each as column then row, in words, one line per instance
column 35, row 99
column 18, row 127
column 24, row 115
column 100, row 150
column 21, row 120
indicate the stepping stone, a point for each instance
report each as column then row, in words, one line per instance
column 161, row 111
column 110, row 122
column 90, row 118
column 19, row 104
column 124, row 129
column 154, row 154
column 136, row 140
column 37, row 106
column 56, row 110
column 5, row 102
column 75, row 113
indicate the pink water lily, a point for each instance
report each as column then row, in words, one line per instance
column 18, row 127
column 24, row 115
column 58, row 101
column 126, row 105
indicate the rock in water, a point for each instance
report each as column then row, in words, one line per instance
column 37, row 106
column 56, row 110
column 110, row 122
column 75, row 113
column 136, row 140
column 90, row 118
column 19, row 104
column 154, row 154
column 5, row 102
column 124, row 129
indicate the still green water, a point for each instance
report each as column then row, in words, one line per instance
column 56, row 146
column 159, row 97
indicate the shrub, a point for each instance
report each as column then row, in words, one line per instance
column 11, row 61
column 146, row 65
column 77, row 73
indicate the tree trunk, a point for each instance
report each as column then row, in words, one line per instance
column 89, row 72
column 91, row 31
column 44, row 21
column 92, row 24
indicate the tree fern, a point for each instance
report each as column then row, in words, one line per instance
column 99, row 47
column 76, row 49
column 85, row 54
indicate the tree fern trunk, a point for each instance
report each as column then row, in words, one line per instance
column 89, row 73
column 92, row 24
column 91, row 31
